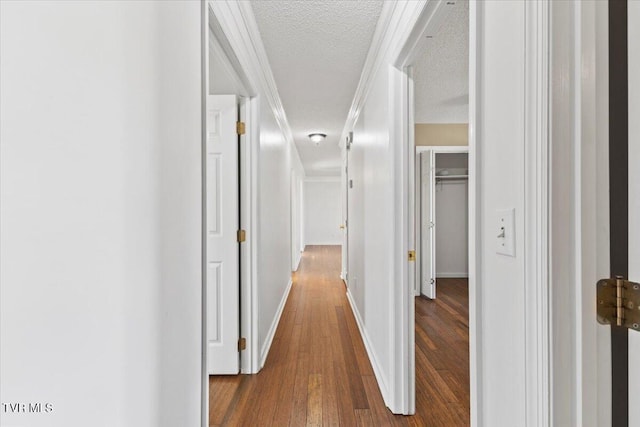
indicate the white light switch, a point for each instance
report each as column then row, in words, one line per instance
column 505, row 232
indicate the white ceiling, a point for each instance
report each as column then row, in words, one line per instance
column 317, row 50
column 441, row 74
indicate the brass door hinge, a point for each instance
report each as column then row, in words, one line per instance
column 618, row 303
column 240, row 128
column 242, row 236
column 412, row 255
column 242, row 344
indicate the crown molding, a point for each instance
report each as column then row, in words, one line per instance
column 239, row 26
column 395, row 24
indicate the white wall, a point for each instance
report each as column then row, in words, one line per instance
column 322, row 212
column 371, row 226
column 277, row 158
column 297, row 219
column 100, row 220
column 452, row 228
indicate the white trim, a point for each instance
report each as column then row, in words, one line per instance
column 475, row 243
column 239, row 25
column 249, row 249
column 254, row 236
column 593, row 356
column 585, row 100
column 536, row 193
column 230, row 66
column 229, row 60
column 264, row 352
column 377, row 371
column 391, row 31
column 204, row 88
column 403, row 303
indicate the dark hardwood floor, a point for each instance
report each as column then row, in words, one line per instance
column 318, row 372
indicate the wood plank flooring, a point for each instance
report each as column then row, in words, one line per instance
column 318, row 373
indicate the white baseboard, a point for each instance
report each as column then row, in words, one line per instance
column 324, row 243
column 274, row 325
column 452, row 275
column 382, row 385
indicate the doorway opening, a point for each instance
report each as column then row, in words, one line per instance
column 229, row 215
column 442, row 282
column 435, row 76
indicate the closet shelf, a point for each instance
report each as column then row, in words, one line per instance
column 452, row 177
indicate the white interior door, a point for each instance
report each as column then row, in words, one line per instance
column 222, row 252
column 427, row 220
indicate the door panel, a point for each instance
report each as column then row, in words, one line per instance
column 222, row 272
column 427, row 220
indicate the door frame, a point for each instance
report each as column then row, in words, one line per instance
column 538, row 374
column 418, row 195
column 234, row 26
column 249, row 165
column 344, row 194
column 581, row 122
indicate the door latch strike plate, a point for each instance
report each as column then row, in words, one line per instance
column 242, row 344
column 618, row 303
column 242, row 236
column 412, row 255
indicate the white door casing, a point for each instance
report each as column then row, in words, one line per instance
column 222, row 255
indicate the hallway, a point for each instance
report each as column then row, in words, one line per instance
column 318, row 372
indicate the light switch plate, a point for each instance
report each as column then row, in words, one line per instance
column 505, row 232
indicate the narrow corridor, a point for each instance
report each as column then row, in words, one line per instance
column 318, row 372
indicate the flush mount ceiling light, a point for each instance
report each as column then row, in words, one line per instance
column 317, row 137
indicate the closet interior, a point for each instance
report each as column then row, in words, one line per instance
column 444, row 218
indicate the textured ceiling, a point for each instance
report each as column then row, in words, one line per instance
column 316, row 50
column 441, row 74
